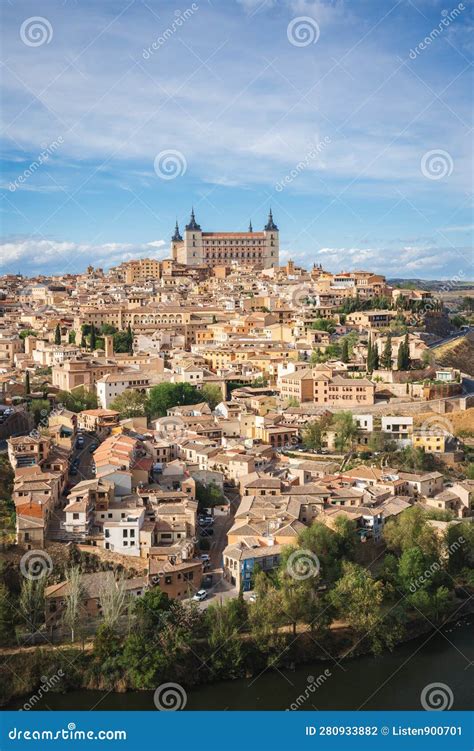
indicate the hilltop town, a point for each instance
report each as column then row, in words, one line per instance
column 185, row 426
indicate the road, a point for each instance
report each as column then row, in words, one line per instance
column 84, row 470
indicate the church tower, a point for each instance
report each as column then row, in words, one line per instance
column 272, row 243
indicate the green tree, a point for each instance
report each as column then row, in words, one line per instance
column 72, row 336
column 27, row 332
column 346, row 429
column 151, row 610
column 57, row 334
column 27, row 383
column 224, row 623
column 40, row 409
column 129, row 340
column 77, row 400
column 345, row 351
column 386, row 359
column 31, row 602
column 168, row 395
column 73, row 601
column 314, row 433
column 130, row 403
column 93, row 338
column 410, row 529
column 403, row 357
column 266, row 617
column 358, row 599
column 212, row 394
column 7, row 621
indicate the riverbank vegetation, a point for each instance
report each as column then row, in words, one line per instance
column 322, row 600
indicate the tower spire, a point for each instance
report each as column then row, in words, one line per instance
column 176, row 237
column 270, row 225
column 250, row 226
column 192, row 222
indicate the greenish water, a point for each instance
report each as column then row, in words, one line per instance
column 392, row 681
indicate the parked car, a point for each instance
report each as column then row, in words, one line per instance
column 200, row 595
column 205, row 557
column 205, row 520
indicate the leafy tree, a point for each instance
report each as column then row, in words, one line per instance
column 39, row 408
column 72, row 336
column 459, row 541
column 323, row 542
column 130, row 403
column 345, row 351
column 224, row 622
column 314, row 432
column 266, row 617
column 358, row 599
column 324, row 324
column 130, row 339
column 386, row 359
column 74, row 598
column 346, row 429
column 31, row 603
column 208, row 495
column 27, row 332
column 7, row 621
column 77, row 400
column 212, row 394
column 113, row 600
column 293, row 402
column 107, row 329
column 93, row 338
column 151, row 610
column 433, row 605
column 411, row 530
column 168, row 395
column 403, row 357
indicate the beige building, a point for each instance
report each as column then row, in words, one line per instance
column 223, row 248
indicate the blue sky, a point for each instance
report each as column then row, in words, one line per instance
column 335, row 113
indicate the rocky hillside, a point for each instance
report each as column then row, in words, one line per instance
column 457, row 354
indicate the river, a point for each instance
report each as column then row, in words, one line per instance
column 394, row 680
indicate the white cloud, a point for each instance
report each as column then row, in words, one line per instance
column 52, row 256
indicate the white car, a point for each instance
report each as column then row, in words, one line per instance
column 204, row 557
column 200, row 595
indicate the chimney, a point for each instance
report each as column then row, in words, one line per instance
column 109, row 345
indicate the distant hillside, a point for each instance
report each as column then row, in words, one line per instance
column 432, row 284
column 457, row 354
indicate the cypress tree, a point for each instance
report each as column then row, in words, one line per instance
column 57, row 335
column 345, row 351
column 27, row 383
column 369, row 355
column 387, row 353
column 92, row 338
column 130, row 339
